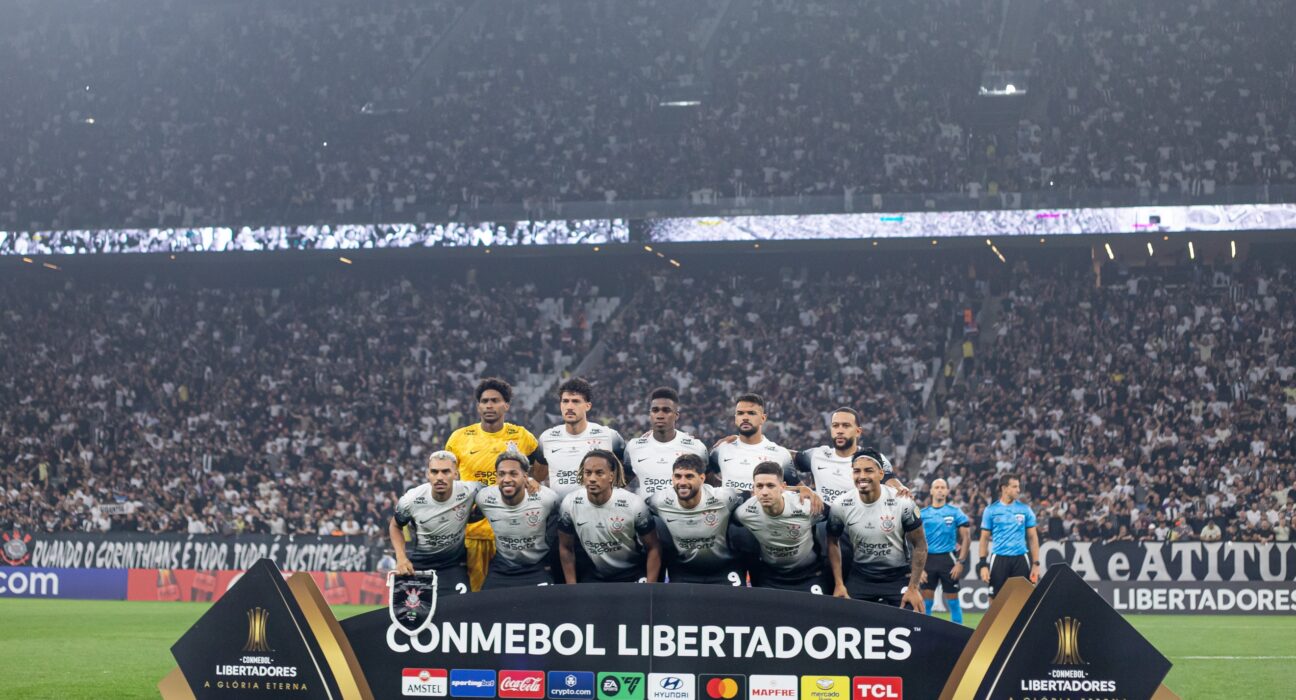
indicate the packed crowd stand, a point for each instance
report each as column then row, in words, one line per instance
column 183, row 114
column 1155, row 406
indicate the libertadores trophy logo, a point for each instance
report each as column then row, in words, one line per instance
column 1068, row 647
column 256, row 636
column 412, row 600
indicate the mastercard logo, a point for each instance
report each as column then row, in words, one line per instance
column 722, row 688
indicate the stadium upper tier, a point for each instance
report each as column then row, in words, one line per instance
column 1147, row 404
column 185, row 113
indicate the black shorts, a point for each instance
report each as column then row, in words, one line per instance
column 631, row 576
column 884, row 592
column 451, row 580
column 812, row 581
column 939, row 571
column 1003, row 568
column 500, row 579
column 734, row 576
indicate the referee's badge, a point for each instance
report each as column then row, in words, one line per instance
column 1021, row 519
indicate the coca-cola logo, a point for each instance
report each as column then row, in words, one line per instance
column 521, row 684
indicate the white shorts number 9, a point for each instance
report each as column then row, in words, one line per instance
column 816, row 589
column 734, row 579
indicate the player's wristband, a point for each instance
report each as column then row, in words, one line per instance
column 1035, row 563
column 982, row 566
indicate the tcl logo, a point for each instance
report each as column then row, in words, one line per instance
column 878, row 688
column 521, row 684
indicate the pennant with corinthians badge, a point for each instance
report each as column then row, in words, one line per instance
column 412, row 600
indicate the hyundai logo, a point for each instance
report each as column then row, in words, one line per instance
column 671, row 683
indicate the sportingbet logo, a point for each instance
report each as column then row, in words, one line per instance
column 424, row 682
column 472, row 683
column 825, row 688
column 521, row 684
column 878, row 688
column 672, row 686
column 773, row 688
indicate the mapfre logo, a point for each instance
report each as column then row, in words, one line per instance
column 521, row 684
column 877, row 688
column 424, row 682
column 772, row 688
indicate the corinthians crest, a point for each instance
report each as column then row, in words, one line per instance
column 412, row 600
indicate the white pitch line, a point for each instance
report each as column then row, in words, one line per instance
column 1235, row 658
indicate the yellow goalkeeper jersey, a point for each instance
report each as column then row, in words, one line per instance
column 477, row 449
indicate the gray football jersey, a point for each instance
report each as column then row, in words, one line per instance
column 521, row 531
column 608, row 533
column 832, row 473
column 736, row 460
column 700, row 533
column 653, row 461
column 438, row 525
column 563, row 452
column 787, row 539
column 877, row 533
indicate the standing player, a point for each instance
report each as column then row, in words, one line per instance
column 477, row 446
column 828, row 467
column 652, row 457
column 561, row 448
column 887, row 539
column 783, row 527
column 612, row 527
column 523, row 523
column 1011, row 524
column 734, row 462
column 949, row 538
column 438, row 511
column 695, row 525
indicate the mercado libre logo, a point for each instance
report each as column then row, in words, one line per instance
column 17, row 548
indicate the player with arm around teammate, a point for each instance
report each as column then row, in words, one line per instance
column 694, row 526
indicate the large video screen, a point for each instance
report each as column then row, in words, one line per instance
column 344, row 237
column 944, row 224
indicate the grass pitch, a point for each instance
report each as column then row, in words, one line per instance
column 69, row 649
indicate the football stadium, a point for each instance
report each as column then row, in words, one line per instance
column 648, row 350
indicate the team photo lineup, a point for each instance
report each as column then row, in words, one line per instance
column 502, row 508
column 475, row 349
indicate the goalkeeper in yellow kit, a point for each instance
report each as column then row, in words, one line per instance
column 476, row 446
